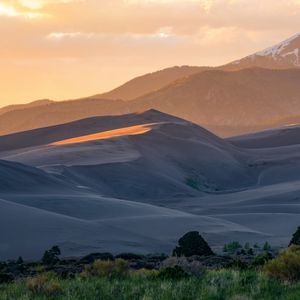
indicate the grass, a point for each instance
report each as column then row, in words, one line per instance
column 146, row 285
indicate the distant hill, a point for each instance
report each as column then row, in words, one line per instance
column 145, row 84
column 230, row 103
column 36, row 103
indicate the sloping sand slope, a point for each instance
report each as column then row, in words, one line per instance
column 170, row 154
column 174, row 175
column 278, row 137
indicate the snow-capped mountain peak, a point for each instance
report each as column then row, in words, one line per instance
column 280, row 56
column 289, row 47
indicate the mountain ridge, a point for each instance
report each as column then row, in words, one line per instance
column 152, row 85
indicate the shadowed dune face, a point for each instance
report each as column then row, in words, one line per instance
column 138, row 182
column 125, row 131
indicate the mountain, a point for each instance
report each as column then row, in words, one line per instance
column 23, row 106
column 58, row 113
column 132, row 89
column 284, row 55
column 233, row 99
column 145, row 84
column 225, row 102
column 230, row 103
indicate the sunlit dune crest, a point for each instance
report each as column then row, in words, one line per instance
column 125, row 131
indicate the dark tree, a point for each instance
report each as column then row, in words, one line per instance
column 192, row 243
column 267, row 247
column 250, row 252
column 296, row 238
column 51, row 257
column 20, row 260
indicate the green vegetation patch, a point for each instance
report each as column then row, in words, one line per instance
column 149, row 285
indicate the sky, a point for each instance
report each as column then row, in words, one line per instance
column 64, row 49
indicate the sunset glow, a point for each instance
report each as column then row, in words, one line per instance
column 63, row 49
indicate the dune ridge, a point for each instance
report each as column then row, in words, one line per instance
column 140, row 193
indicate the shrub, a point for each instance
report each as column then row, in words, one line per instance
column 296, row 238
column 108, row 268
column 192, row 243
column 238, row 265
column 5, row 278
column 190, row 266
column 176, row 273
column 286, row 266
column 44, row 284
column 130, row 256
column 121, row 267
column 250, row 252
column 262, row 259
column 88, row 259
column 145, row 273
column 233, row 247
column 247, row 246
column 193, row 183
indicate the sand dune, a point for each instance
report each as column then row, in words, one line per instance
column 139, row 228
column 138, row 182
column 125, row 131
column 285, row 136
column 166, row 157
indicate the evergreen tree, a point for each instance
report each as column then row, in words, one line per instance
column 296, row 238
column 50, row 257
column 267, row 247
column 192, row 243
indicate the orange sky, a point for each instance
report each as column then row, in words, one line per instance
column 62, row 49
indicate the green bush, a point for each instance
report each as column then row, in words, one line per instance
column 232, row 247
column 262, row 259
column 286, row 266
column 193, row 183
column 108, row 268
column 44, row 284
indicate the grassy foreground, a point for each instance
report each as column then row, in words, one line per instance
column 148, row 285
